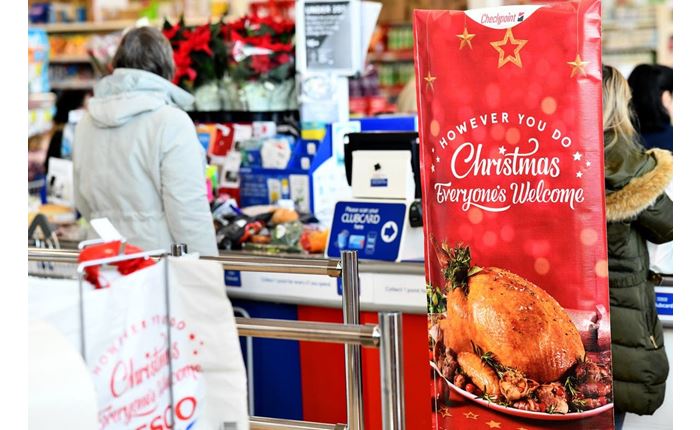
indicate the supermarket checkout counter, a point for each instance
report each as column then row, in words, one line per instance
column 306, row 381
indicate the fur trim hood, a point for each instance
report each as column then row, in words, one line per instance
column 642, row 191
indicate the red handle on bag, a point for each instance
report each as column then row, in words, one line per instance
column 107, row 250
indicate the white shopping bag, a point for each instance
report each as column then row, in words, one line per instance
column 48, row 351
column 128, row 335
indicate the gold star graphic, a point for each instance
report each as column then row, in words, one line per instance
column 430, row 79
column 471, row 416
column 515, row 57
column 577, row 66
column 445, row 412
column 521, row 428
column 493, row 424
column 465, row 39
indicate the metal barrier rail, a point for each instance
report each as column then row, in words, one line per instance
column 248, row 263
column 258, row 423
column 365, row 335
column 386, row 336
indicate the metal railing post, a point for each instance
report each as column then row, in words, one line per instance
column 353, row 359
column 391, row 365
column 178, row 249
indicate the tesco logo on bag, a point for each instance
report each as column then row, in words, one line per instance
column 184, row 410
column 136, row 379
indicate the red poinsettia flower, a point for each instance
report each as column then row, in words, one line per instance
column 171, row 32
column 283, row 58
column 265, row 41
column 235, row 37
column 200, row 38
column 251, row 28
column 238, row 25
column 261, row 63
column 183, row 64
column 279, row 26
column 248, row 35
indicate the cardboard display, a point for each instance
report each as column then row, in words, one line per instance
column 510, row 121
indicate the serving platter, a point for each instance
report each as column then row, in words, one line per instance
column 571, row 416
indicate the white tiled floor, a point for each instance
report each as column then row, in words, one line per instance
column 663, row 418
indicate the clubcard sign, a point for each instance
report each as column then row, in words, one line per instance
column 372, row 229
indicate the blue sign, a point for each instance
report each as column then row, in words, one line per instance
column 232, row 278
column 264, row 186
column 379, row 182
column 204, row 139
column 372, row 229
column 664, row 303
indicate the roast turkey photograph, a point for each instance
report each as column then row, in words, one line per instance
column 501, row 340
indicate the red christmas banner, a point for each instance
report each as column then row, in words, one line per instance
column 510, row 121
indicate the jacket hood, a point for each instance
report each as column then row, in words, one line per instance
column 641, row 191
column 129, row 92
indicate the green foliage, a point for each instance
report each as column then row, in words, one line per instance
column 437, row 302
column 459, row 266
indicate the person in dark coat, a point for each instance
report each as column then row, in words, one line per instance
column 652, row 98
column 66, row 101
column 637, row 210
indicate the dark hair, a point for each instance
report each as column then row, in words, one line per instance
column 648, row 82
column 145, row 48
column 67, row 101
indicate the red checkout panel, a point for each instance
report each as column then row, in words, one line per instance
column 323, row 374
column 306, row 380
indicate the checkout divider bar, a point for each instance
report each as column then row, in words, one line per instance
column 248, row 263
column 258, row 423
column 386, row 336
column 365, row 335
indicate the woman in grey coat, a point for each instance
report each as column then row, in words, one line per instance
column 137, row 160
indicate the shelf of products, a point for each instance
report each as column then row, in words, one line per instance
column 69, row 59
column 40, row 100
column 40, row 120
column 68, row 47
column 392, row 42
column 389, row 63
column 390, row 56
column 85, row 27
column 41, row 11
column 72, row 76
column 111, row 26
column 70, row 64
column 395, row 74
column 636, row 33
column 73, row 45
column 76, row 84
column 401, row 11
